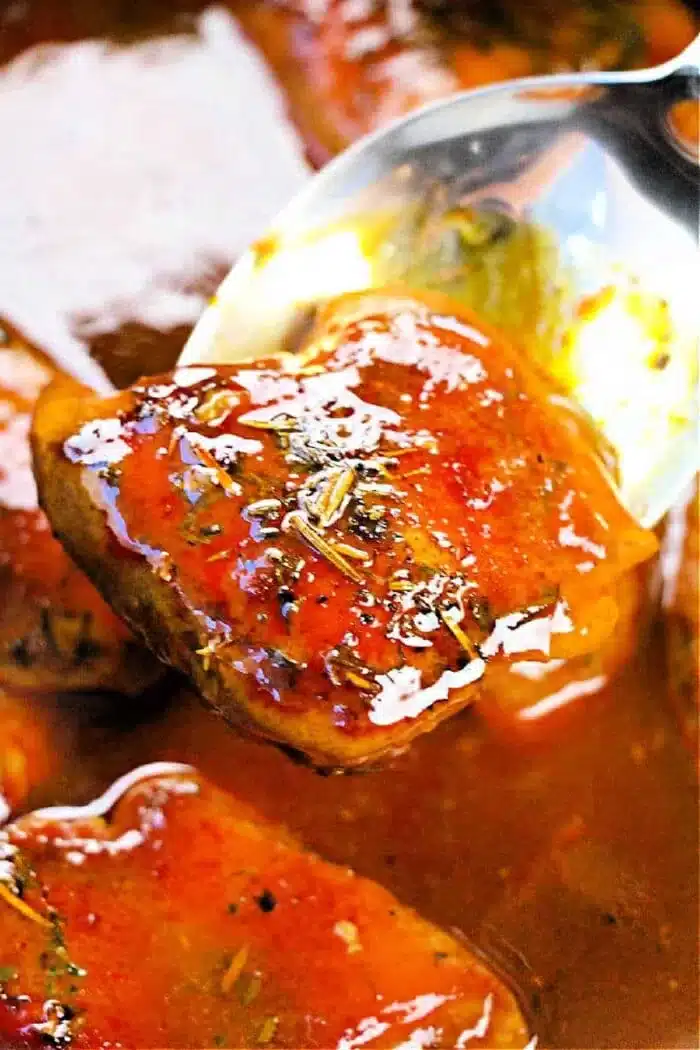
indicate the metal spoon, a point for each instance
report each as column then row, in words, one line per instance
column 593, row 165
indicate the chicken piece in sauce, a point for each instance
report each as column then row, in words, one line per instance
column 56, row 632
column 682, row 612
column 349, row 66
column 334, row 545
column 174, row 916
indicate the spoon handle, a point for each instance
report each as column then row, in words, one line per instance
column 644, row 125
column 689, row 59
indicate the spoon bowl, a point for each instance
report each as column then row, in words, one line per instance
column 594, row 176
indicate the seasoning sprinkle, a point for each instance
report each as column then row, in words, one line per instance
column 227, row 483
column 209, row 650
column 394, row 453
column 359, row 681
column 356, row 553
column 348, row 932
column 174, row 438
column 164, row 568
column 22, row 907
column 310, row 370
column 401, row 586
column 235, row 969
column 207, row 531
column 280, row 424
column 461, row 635
column 274, row 554
column 216, row 406
column 315, row 540
column 331, row 499
column 415, row 473
column 267, row 901
column 251, row 991
column 267, row 1030
column 220, row 555
column 263, row 508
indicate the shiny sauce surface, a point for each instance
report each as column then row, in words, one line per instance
column 566, row 848
column 353, row 533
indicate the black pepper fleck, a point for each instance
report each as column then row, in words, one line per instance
column 19, row 652
column 267, row 901
column 211, row 530
column 86, row 649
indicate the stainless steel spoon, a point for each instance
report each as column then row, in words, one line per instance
column 591, row 163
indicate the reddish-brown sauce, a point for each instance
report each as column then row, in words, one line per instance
column 566, row 847
column 336, row 545
column 567, row 851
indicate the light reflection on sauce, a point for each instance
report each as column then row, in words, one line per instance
column 100, row 807
column 104, row 495
column 420, row 1008
column 137, row 174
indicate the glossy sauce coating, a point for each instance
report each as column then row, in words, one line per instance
column 350, row 535
column 56, row 632
column 125, row 935
column 121, row 248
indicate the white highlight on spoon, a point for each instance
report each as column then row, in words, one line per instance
column 257, row 303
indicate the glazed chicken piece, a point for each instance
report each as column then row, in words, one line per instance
column 335, row 544
column 349, row 66
column 178, row 918
column 56, row 632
